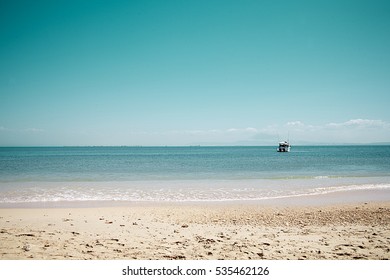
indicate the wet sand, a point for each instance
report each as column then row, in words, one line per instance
column 198, row 231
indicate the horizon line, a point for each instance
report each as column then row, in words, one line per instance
column 178, row 146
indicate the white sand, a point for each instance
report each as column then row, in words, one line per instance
column 198, row 231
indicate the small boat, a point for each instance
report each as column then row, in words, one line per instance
column 284, row 147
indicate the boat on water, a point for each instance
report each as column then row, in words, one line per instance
column 284, row 147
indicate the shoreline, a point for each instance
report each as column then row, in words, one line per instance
column 259, row 191
column 331, row 198
column 356, row 230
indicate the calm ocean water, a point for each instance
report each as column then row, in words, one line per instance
column 51, row 174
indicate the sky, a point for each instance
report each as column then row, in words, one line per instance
column 195, row 72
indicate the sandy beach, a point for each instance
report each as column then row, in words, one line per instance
column 231, row 231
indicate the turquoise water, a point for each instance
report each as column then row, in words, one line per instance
column 38, row 174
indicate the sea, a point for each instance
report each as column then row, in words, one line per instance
column 187, row 174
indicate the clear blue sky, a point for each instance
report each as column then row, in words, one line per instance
column 194, row 72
